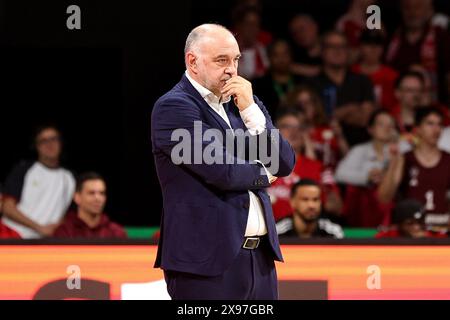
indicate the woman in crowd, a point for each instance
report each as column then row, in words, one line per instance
column 326, row 136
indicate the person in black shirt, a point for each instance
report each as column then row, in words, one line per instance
column 306, row 221
column 348, row 97
column 306, row 49
column 279, row 81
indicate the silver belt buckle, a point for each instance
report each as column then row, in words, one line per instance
column 251, row 243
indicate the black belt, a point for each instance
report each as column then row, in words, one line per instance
column 251, row 243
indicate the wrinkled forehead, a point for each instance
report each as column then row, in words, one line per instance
column 220, row 44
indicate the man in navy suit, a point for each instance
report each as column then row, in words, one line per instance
column 218, row 236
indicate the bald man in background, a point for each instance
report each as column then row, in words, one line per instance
column 218, row 236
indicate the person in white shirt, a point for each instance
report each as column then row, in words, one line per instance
column 362, row 170
column 444, row 141
column 37, row 194
column 366, row 162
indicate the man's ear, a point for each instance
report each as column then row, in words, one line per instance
column 76, row 198
column 191, row 61
column 291, row 202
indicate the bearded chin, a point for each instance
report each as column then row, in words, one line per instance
column 309, row 220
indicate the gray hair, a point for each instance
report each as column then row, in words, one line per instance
column 198, row 33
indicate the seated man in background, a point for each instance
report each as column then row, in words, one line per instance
column 5, row 232
column 305, row 36
column 37, row 194
column 347, row 96
column 407, row 222
column 306, row 221
column 289, row 122
column 422, row 174
column 89, row 221
column 278, row 81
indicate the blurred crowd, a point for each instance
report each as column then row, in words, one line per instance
column 40, row 198
column 367, row 112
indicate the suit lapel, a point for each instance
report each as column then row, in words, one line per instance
column 233, row 115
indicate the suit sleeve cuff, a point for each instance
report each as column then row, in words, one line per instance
column 269, row 175
column 254, row 119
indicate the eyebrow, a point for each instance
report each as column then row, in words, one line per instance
column 225, row 56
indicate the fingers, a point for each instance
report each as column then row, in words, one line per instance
column 241, row 90
column 239, row 81
column 236, row 79
column 230, row 85
column 230, row 91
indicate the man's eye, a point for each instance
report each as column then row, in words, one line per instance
column 222, row 60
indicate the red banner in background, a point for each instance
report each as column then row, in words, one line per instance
column 309, row 272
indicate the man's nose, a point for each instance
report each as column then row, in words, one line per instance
column 231, row 70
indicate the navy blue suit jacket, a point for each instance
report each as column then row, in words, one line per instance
column 206, row 206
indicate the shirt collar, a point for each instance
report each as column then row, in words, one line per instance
column 206, row 94
column 73, row 215
column 373, row 154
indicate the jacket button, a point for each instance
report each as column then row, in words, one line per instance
column 246, row 205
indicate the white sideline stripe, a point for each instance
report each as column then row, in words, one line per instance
column 154, row 290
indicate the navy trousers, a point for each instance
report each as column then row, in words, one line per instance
column 252, row 276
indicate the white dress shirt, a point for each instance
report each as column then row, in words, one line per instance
column 444, row 142
column 354, row 169
column 255, row 121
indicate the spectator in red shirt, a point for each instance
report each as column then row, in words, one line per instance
column 327, row 138
column 407, row 222
column 247, row 27
column 419, row 41
column 5, row 232
column 383, row 77
column 289, row 122
column 352, row 24
column 427, row 95
column 89, row 221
